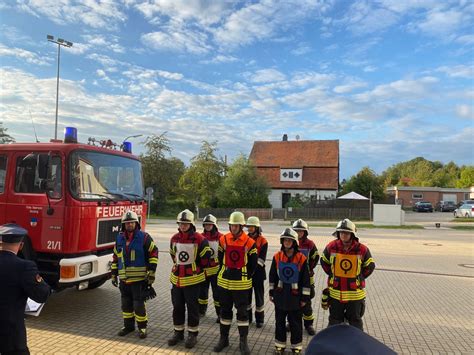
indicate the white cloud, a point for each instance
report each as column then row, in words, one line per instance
column 458, row 71
column 351, row 85
column 265, row 76
column 23, row 54
column 110, row 43
column 465, row 111
column 93, row 13
column 220, row 58
column 177, row 39
column 302, row 49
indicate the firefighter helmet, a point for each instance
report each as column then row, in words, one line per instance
column 237, row 218
column 129, row 216
column 346, row 225
column 210, row 219
column 253, row 221
column 300, row 225
column 289, row 233
column 185, row 216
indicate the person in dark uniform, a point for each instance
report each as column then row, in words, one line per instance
column 19, row 279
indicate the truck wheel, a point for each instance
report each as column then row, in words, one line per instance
column 97, row 283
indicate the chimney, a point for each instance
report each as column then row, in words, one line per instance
column 285, row 137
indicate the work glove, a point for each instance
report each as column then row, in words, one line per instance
column 325, row 299
column 149, row 293
column 114, row 280
column 151, row 277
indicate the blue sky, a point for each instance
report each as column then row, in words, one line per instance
column 391, row 79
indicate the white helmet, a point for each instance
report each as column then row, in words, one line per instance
column 210, row 219
column 185, row 216
column 346, row 225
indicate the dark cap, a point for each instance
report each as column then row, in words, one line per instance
column 12, row 233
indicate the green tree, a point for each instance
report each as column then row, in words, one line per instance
column 161, row 173
column 242, row 187
column 202, row 179
column 4, row 136
column 466, row 178
column 365, row 181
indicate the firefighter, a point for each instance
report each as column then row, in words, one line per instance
column 190, row 253
column 348, row 263
column 238, row 260
column 289, row 290
column 134, row 262
column 254, row 231
column 20, row 279
column 308, row 248
column 212, row 234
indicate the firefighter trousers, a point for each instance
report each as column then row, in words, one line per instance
column 204, row 294
column 186, row 298
column 258, row 289
column 296, row 328
column 353, row 311
column 133, row 304
column 229, row 298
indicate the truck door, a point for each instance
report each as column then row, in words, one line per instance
column 3, row 189
column 28, row 203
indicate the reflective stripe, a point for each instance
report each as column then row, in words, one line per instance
column 193, row 329
column 203, row 302
column 261, row 262
column 179, row 328
column 234, row 284
column 271, row 286
column 311, row 280
column 152, row 246
column 187, row 280
column 203, row 252
column 306, row 291
column 369, row 260
column 249, row 307
column 127, row 315
column 212, row 270
column 310, row 317
column 242, row 323
column 217, row 304
column 141, row 318
column 259, row 309
column 298, row 346
column 153, row 260
column 354, row 295
column 226, row 321
column 279, row 345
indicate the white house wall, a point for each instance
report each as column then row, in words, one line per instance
column 275, row 196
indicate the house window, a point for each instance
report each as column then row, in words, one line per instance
column 417, row 196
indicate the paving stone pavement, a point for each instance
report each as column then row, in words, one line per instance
column 411, row 312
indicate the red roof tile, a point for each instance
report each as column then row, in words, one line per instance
column 296, row 154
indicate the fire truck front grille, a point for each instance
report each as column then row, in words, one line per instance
column 107, row 231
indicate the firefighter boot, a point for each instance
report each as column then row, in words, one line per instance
column 191, row 341
column 244, row 346
column 310, row 330
column 176, row 338
column 223, row 343
column 124, row 331
column 279, row 350
column 142, row 333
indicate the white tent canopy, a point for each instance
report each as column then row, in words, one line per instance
column 352, row 196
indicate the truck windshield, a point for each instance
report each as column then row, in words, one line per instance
column 99, row 176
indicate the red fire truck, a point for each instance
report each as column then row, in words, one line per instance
column 70, row 197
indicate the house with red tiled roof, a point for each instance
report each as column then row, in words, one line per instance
column 307, row 168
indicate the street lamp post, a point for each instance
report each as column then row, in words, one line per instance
column 135, row 136
column 60, row 42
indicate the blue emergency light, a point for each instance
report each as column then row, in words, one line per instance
column 70, row 135
column 127, row 147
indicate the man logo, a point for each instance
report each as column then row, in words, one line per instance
column 115, row 229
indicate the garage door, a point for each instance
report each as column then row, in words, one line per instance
column 450, row 197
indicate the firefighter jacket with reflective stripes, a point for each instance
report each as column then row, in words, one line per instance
column 308, row 248
column 190, row 253
column 347, row 269
column 289, row 281
column 135, row 256
column 262, row 248
column 237, row 259
column 213, row 240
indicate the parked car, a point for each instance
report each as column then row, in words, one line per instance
column 466, row 210
column 423, row 206
column 463, row 202
column 445, row 206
